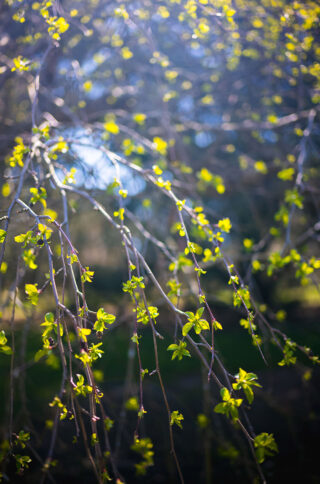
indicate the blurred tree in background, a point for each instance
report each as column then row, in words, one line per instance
column 159, row 240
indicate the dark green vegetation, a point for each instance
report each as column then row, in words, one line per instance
column 159, row 241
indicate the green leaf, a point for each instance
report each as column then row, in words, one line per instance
column 220, row 408
column 225, row 394
column 99, row 326
column 81, row 388
column 49, row 317
column 102, row 319
column 186, row 328
column 32, row 293
column 25, row 239
column 229, row 404
column 83, row 333
column 179, row 351
column 248, row 393
column 87, row 275
column 176, row 418
column 3, row 234
column 265, row 446
column 200, row 312
column 246, row 381
column 3, row 338
column 7, row 350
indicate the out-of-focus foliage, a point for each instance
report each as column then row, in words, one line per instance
column 192, row 129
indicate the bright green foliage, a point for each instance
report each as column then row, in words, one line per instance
column 216, row 325
column 174, row 289
column 133, row 284
column 180, row 204
column 277, row 262
column 144, row 373
column 288, row 354
column 225, row 225
column 18, row 153
column 144, row 448
column 195, row 321
column 139, row 118
column 112, row 186
column 3, row 234
column 94, row 352
column 57, row 26
column 211, row 126
column 81, row 388
column 248, row 244
column 32, row 293
column 143, row 316
column 94, row 439
column 199, row 271
column 261, row 167
column 44, row 231
column 176, row 418
column 83, row 333
column 43, row 131
column 242, row 296
column 50, row 326
column 256, row 266
column 160, row 145
column 286, row 174
column 304, row 268
column 265, row 446
column 70, row 177
column 246, row 381
column 177, row 227
column 211, row 256
column 282, row 215
column 38, row 195
column 3, row 338
column 73, row 258
column 293, row 197
column 234, row 279
column 182, row 261
column 229, row 406
column 206, row 178
column 111, row 126
column 166, row 184
column 179, row 351
column 103, row 318
column 85, row 358
column 157, row 170
column 56, row 402
column 60, row 147
column 25, row 239
column 4, row 348
column 119, row 213
column 135, row 338
column 20, row 64
column 248, row 325
column 87, row 275
column 29, row 258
